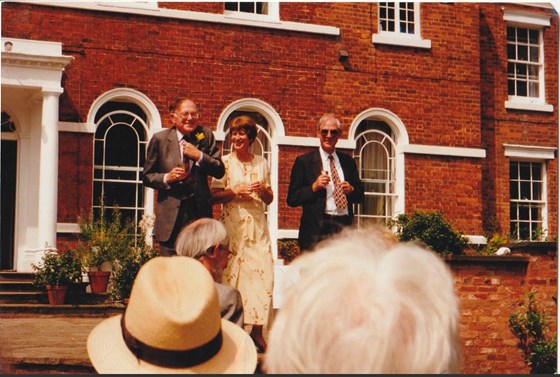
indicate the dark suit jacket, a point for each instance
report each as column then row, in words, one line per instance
column 306, row 169
column 163, row 155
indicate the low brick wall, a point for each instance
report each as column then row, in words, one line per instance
column 491, row 288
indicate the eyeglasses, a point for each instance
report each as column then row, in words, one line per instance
column 332, row 132
column 193, row 115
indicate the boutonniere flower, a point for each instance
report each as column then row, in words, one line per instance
column 199, row 136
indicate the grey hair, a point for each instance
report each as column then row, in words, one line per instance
column 326, row 117
column 195, row 238
column 365, row 304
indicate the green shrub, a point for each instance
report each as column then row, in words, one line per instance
column 126, row 270
column 103, row 238
column 126, row 267
column 431, row 229
column 529, row 325
column 494, row 243
column 57, row 269
column 288, row 250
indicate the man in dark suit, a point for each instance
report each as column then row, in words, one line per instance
column 325, row 187
column 178, row 162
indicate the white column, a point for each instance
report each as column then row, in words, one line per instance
column 48, row 168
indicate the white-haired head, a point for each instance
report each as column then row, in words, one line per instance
column 195, row 238
column 365, row 303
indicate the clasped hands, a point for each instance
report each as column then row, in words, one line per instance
column 246, row 189
column 323, row 181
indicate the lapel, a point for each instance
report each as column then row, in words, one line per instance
column 316, row 164
column 173, row 146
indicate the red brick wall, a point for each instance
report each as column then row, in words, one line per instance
column 449, row 95
column 489, row 292
column 448, row 185
column 502, row 126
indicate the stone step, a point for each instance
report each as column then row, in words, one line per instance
column 17, row 285
column 14, row 275
column 66, row 310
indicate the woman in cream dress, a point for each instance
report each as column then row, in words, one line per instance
column 245, row 192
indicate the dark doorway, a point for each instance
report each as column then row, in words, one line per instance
column 7, row 203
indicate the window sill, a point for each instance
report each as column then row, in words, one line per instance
column 524, row 259
column 400, row 40
column 516, row 105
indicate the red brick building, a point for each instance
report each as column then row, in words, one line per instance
column 445, row 106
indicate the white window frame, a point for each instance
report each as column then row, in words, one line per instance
column 527, row 20
column 398, row 38
column 388, row 196
column 101, row 172
column 273, row 14
column 535, row 154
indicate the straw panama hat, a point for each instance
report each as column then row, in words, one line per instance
column 173, row 323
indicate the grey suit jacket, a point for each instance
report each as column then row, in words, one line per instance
column 163, row 154
column 231, row 305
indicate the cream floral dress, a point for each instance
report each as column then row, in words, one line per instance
column 250, row 267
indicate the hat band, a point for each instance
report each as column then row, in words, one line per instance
column 169, row 358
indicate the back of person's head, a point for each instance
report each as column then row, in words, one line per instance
column 365, row 303
column 195, row 238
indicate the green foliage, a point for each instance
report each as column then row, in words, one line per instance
column 127, row 266
column 288, row 250
column 103, row 238
column 57, row 269
column 126, row 270
column 494, row 243
column 529, row 325
column 431, row 229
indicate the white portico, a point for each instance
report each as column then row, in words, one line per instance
column 31, row 86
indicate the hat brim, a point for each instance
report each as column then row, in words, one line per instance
column 109, row 354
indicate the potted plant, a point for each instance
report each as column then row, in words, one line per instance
column 127, row 267
column 56, row 272
column 102, row 240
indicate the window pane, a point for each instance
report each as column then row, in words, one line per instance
column 120, row 146
column 232, row 6
column 534, row 54
column 510, row 53
column 525, row 190
column 534, row 36
column 248, row 7
column 536, row 170
column 533, row 89
column 524, row 231
column 123, row 194
column 522, row 35
column 524, row 170
column 511, row 34
column 513, row 190
column 521, row 89
column 522, row 53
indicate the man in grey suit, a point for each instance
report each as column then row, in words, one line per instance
column 178, row 162
column 325, row 183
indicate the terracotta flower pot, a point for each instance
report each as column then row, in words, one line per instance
column 99, row 281
column 57, row 294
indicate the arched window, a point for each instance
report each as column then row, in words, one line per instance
column 376, row 159
column 120, row 143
